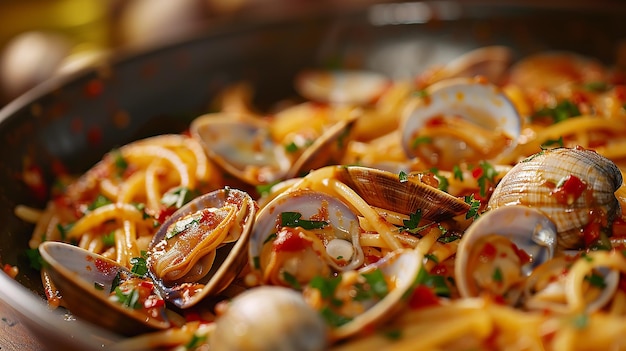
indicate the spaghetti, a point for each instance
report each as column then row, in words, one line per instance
column 115, row 208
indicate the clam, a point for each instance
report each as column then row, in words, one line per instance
column 571, row 186
column 491, row 62
column 88, row 282
column 304, row 233
column 547, row 287
column 460, row 120
column 398, row 270
column 201, row 248
column 243, row 147
column 269, row 318
column 351, row 87
column 500, row 249
column 246, row 148
column 385, row 190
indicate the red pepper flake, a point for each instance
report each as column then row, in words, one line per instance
column 477, row 172
column 289, row 239
column 153, row 302
column 591, row 232
column 488, row 252
column 435, row 121
column 422, row 297
column 569, row 190
column 94, row 88
column 523, row 256
column 104, row 266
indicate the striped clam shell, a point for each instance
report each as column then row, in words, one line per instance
column 532, row 182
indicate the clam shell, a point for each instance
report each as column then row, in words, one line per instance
column 399, row 267
column 310, row 204
column 207, row 276
column 529, row 229
column 242, row 146
column 341, row 87
column 76, row 272
column 384, row 189
column 478, row 102
column 532, row 181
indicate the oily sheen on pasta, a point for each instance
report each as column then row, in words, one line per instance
column 450, row 211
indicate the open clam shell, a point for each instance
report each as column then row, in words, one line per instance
column 341, row 87
column 491, row 123
column 491, row 62
column 540, row 182
column 399, row 269
column 85, row 280
column 202, row 247
column 384, row 189
column 486, row 259
column 301, row 250
column 242, row 146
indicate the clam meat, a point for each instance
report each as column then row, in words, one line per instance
column 201, row 248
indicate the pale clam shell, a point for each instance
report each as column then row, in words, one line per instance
column 528, row 183
column 528, row 228
column 478, row 102
column 75, row 271
column 354, row 87
column 384, row 189
column 308, row 203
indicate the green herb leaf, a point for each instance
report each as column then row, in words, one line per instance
column 326, row 286
column 291, row 147
column 178, row 197
column 457, row 172
column 63, row 229
column 98, row 286
column 435, row 282
column 497, row 275
column 431, row 257
column 293, row 219
column 393, row 334
column 559, row 113
column 443, row 181
column 34, row 259
column 116, row 282
column 291, row 280
column 266, row 189
column 118, row 160
column 99, row 201
column 182, row 225
column 376, row 281
column 196, row 341
column 553, row 143
column 474, row 207
column 421, row 140
column 129, row 299
column 596, row 280
column 403, row 177
column 597, row 87
column 109, row 239
column 488, row 177
column 332, row 318
column 139, row 267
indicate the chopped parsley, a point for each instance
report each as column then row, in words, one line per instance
column 293, row 219
column 181, row 226
column 487, row 176
column 63, row 229
column 266, row 189
column 474, row 207
column 196, row 341
column 597, row 87
column 178, row 197
column 377, row 283
column 109, row 239
column 596, row 280
column 99, row 201
column 118, row 161
column 140, row 266
column 435, row 282
column 457, row 172
column 431, row 257
column 559, row 113
column 34, row 259
column 403, row 177
column 332, row 318
column 326, row 286
column 128, row 299
column 411, row 225
column 98, row 286
column 497, row 275
column 443, row 181
column 291, row 280
column 553, row 143
column 421, row 140
column 291, row 147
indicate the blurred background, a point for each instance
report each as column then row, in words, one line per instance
column 43, row 38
